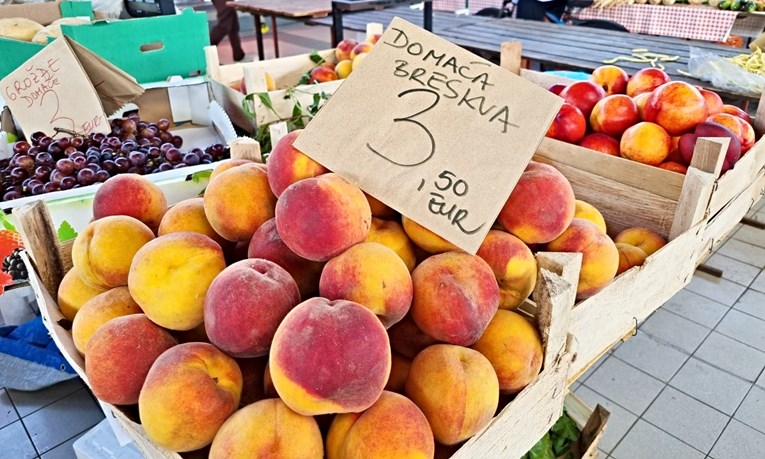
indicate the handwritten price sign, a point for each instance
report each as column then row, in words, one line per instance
column 433, row 131
column 51, row 91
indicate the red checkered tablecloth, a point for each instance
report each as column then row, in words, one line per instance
column 681, row 21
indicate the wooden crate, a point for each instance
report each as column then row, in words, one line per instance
column 591, row 422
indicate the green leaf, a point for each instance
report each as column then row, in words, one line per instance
column 6, row 224
column 266, row 99
column 305, row 78
column 197, row 177
column 316, row 57
column 563, row 434
column 66, row 232
column 543, row 449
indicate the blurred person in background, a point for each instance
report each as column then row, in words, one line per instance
column 535, row 10
column 227, row 23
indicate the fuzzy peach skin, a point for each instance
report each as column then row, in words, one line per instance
column 425, row 239
column 455, row 297
column 399, row 373
column 587, row 211
column 132, row 195
column 330, row 357
column 287, row 164
column 267, row 244
column 372, row 275
column 391, row 428
column 319, row 218
column 514, row 348
column 457, row 390
column 379, row 209
column 226, row 165
column 600, row 258
column 103, row 251
column 268, row 428
column 646, row 143
column 189, row 393
column 645, row 238
column 407, row 339
column 119, row 355
column 189, row 216
column 170, row 276
column 513, row 264
column 244, row 305
column 629, row 256
column 238, row 201
column 73, row 293
column 100, row 309
column 391, row 234
column 540, row 207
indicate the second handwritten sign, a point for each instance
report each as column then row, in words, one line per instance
column 433, row 131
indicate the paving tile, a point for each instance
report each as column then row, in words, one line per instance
column 645, row 441
column 15, row 442
column 715, row 288
column 733, row 356
column 683, row 417
column 761, row 380
column 29, row 402
column 619, row 420
column 759, row 282
column 739, row 441
column 750, row 235
column 674, row 330
column 743, row 251
column 7, row 412
column 655, row 358
column 743, row 327
column 710, row 385
column 60, row 421
column 64, row 450
column 593, row 368
column 752, row 409
column 696, row 308
column 625, row 385
column 733, row 270
column 752, row 302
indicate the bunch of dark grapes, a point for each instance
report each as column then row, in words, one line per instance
column 42, row 164
column 14, row 265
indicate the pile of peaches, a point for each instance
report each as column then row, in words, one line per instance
column 288, row 314
column 349, row 54
column 647, row 118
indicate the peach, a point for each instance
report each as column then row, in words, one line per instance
column 737, row 112
column 714, row 101
column 132, row 195
column 189, row 216
column 287, row 164
column 677, row 107
column 645, row 238
column 407, row 339
column 358, row 60
column 556, row 88
column 600, row 258
column 391, row 234
column 319, row 218
column 734, row 124
column 611, row 78
column 73, row 293
column 119, row 355
column 583, row 95
column 100, row 309
column 330, row 357
column 674, row 167
column 189, row 393
column 425, row 239
column 231, row 216
column 612, row 115
column 640, row 101
column 361, row 48
column 170, row 277
column 540, row 206
column 514, row 348
column 602, row 143
column 629, row 256
column 513, row 264
column 344, row 68
column 587, row 211
column 379, row 209
column 399, row 372
column 223, row 166
column 747, row 136
column 372, row 275
column 344, row 48
column 569, row 125
column 646, row 143
column 393, row 427
column 268, row 428
column 646, row 80
column 455, row 297
column 103, row 251
column 322, row 75
column 461, row 376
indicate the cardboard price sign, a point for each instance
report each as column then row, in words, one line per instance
column 433, row 131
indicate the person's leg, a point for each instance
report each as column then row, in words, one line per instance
column 227, row 24
column 233, row 37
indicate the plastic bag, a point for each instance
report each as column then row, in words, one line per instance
column 108, row 9
column 723, row 74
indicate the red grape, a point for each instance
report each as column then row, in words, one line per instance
column 65, row 166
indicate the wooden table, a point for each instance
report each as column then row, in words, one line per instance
column 341, row 7
column 292, row 9
column 441, row 20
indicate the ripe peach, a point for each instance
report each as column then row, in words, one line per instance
column 514, row 348
column 687, row 143
column 646, row 143
column 189, row 216
column 587, row 211
column 231, row 216
column 245, row 304
column 268, row 428
column 170, row 277
column 119, row 355
column 646, row 80
column 322, row 75
column 674, row 167
column 612, row 115
column 399, row 373
column 735, row 111
column 391, row 234
column 407, row 339
column 330, row 357
column 513, row 265
column 677, row 107
column 320, row 217
column 425, row 239
column 629, row 256
column 379, row 209
column 374, row 38
column 455, row 297
column 602, row 143
column 103, row 251
column 611, row 78
column 600, row 258
column 640, row 101
column 734, row 124
column 116, row 302
column 569, row 125
column 541, row 205
column 556, row 88
column 132, row 195
column 287, row 164
column 223, row 166
column 344, row 48
column 344, row 68
column 645, row 238
column 583, row 95
column 361, row 48
column 358, row 60
column 393, row 427
column 714, row 102
column 73, row 293
column 189, row 392
column 747, row 137
column 461, row 376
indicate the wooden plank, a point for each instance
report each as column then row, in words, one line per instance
column 745, row 170
column 292, row 8
column 37, row 230
column 510, row 56
column 591, row 423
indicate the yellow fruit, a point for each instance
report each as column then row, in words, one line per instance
column 19, row 28
column 344, row 68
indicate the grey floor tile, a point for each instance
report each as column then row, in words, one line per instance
column 625, row 385
column 593, row 368
column 60, row 421
column 696, row 308
column 687, row 419
column 619, row 420
column 744, row 251
column 750, row 235
column 732, row 356
column 7, row 411
column 752, row 302
column 759, row 282
column 739, row 441
column 15, row 442
column 761, row 380
column 655, row 358
column 29, row 402
column 733, row 270
column 752, row 409
column 714, row 387
column 674, row 330
column 645, row 441
column 715, row 288
column 743, row 327
column 64, row 450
